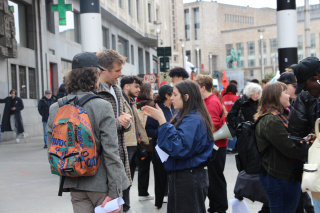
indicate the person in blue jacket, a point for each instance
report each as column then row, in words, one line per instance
column 188, row 141
column 160, row 175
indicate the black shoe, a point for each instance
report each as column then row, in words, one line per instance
column 45, row 146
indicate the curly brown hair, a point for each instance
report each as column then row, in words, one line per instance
column 107, row 57
column 84, row 79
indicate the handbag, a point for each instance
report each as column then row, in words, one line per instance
column 311, row 170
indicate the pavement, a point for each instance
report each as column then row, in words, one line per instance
column 27, row 185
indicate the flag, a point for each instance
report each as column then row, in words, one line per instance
column 224, row 81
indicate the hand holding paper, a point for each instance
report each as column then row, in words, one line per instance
column 111, row 206
column 163, row 155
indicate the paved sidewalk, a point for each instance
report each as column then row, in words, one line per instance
column 26, row 184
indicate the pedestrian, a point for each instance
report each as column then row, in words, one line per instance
column 264, row 82
column 43, row 108
column 228, row 100
column 164, row 101
column 231, row 82
column 144, row 151
column 289, row 79
column 110, row 179
column 281, row 169
column 130, row 86
column 108, row 89
column 305, row 108
column 12, row 119
column 217, row 192
column 178, row 74
column 188, row 140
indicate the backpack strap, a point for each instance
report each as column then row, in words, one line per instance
column 64, row 100
column 82, row 101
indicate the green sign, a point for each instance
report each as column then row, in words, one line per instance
column 164, row 64
column 163, row 51
column 62, row 8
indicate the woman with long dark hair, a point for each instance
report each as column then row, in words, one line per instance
column 188, row 141
column 160, row 175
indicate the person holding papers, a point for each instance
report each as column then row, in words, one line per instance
column 188, row 141
column 160, row 175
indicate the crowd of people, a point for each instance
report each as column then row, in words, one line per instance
column 131, row 129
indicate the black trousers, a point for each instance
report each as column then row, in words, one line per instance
column 188, row 190
column 132, row 155
column 160, row 180
column 144, row 175
column 217, row 193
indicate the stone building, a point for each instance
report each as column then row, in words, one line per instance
column 43, row 51
column 214, row 29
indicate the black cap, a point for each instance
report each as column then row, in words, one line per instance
column 304, row 70
column 165, row 89
column 48, row 92
column 86, row 59
column 288, row 78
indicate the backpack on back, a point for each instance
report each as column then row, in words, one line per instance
column 73, row 151
column 248, row 157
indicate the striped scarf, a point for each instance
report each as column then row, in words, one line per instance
column 282, row 116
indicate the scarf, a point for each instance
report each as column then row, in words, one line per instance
column 282, row 116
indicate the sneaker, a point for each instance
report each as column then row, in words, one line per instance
column 45, row 146
column 165, row 199
column 17, row 140
column 149, row 197
column 157, row 210
column 25, row 137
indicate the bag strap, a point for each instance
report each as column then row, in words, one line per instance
column 61, row 186
column 82, row 101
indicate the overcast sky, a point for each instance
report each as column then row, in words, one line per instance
column 256, row 3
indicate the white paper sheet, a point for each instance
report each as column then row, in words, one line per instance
column 110, row 206
column 239, row 206
column 163, row 155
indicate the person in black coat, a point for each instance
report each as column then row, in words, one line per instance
column 43, row 108
column 12, row 120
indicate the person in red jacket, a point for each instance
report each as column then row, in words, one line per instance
column 228, row 100
column 217, row 192
column 225, row 89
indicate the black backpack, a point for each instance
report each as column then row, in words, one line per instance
column 248, row 157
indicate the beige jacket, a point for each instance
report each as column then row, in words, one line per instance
column 130, row 136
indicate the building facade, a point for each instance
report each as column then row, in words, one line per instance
column 211, row 38
column 45, row 49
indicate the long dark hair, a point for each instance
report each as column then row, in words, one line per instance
column 145, row 90
column 194, row 102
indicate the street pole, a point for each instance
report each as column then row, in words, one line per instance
column 274, row 64
column 261, row 50
column 307, row 28
column 183, row 54
column 198, row 60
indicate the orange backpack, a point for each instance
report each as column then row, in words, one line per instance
column 73, row 150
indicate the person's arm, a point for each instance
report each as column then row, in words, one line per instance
column 40, row 107
column 20, row 105
column 215, row 110
column 180, row 142
column 152, row 128
column 3, row 100
column 233, row 114
column 277, row 135
column 298, row 119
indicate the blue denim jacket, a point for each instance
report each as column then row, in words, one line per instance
column 188, row 145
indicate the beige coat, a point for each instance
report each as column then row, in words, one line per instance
column 130, row 136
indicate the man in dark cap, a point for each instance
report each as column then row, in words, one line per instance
column 43, row 107
column 290, row 80
column 304, row 111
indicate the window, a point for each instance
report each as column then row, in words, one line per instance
column 50, row 16
column 147, row 62
column 251, row 54
column 32, row 83
column 149, row 12
column 196, row 24
column 251, row 50
column 264, row 52
column 188, row 54
column 129, row 7
column 187, row 24
column 123, row 47
column 114, row 42
column 132, row 55
column 14, row 77
column 251, row 73
column 228, row 49
column 71, row 30
column 274, row 49
column 138, row 10
column 140, row 58
column 240, row 50
column 66, row 66
column 105, row 38
column 23, row 81
column 157, row 14
column 120, row 3
column 251, row 63
column 24, row 26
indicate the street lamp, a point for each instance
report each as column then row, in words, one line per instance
column 198, row 59
column 183, row 53
column 210, row 63
column 158, row 30
column 261, row 47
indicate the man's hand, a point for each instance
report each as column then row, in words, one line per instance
column 106, row 201
column 125, row 119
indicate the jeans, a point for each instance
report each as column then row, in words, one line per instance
column 14, row 125
column 45, row 132
column 232, row 143
column 316, row 205
column 283, row 195
column 188, row 190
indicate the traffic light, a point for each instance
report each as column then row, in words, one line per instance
column 164, row 64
